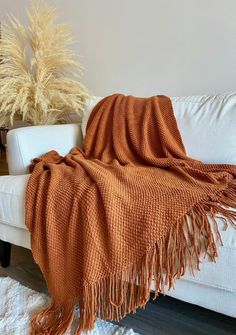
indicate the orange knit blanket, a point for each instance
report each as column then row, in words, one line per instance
column 128, row 208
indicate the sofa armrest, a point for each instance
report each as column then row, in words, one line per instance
column 24, row 144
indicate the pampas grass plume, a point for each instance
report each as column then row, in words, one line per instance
column 39, row 72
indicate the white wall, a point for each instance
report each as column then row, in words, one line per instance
column 145, row 47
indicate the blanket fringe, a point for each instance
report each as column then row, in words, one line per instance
column 54, row 320
column 114, row 297
column 196, row 234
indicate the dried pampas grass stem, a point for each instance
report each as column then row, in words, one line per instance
column 38, row 71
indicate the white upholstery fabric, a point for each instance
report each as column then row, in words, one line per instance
column 12, row 200
column 216, row 299
column 17, row 236
column 26, row 143
column 91, row 104
column 207, row 125
column 12, row 210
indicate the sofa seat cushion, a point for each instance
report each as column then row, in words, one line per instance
column 12, row 200
column 221, row 274
column 206, row 123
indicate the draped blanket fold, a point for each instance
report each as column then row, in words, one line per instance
column 128, row 208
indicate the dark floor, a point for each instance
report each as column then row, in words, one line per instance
column 165, row 316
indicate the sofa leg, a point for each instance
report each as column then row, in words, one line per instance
column 5, row 253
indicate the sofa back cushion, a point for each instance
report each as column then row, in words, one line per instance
column 207, row 125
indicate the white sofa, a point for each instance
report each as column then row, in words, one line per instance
column 208, row 128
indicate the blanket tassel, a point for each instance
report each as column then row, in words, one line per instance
column 195, row 235
column 54, row 320
column 114, row 297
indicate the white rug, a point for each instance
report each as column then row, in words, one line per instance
column 18, row 302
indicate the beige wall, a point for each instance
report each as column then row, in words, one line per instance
column 144, row 47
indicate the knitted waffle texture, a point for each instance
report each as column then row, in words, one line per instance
column 128, row 209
